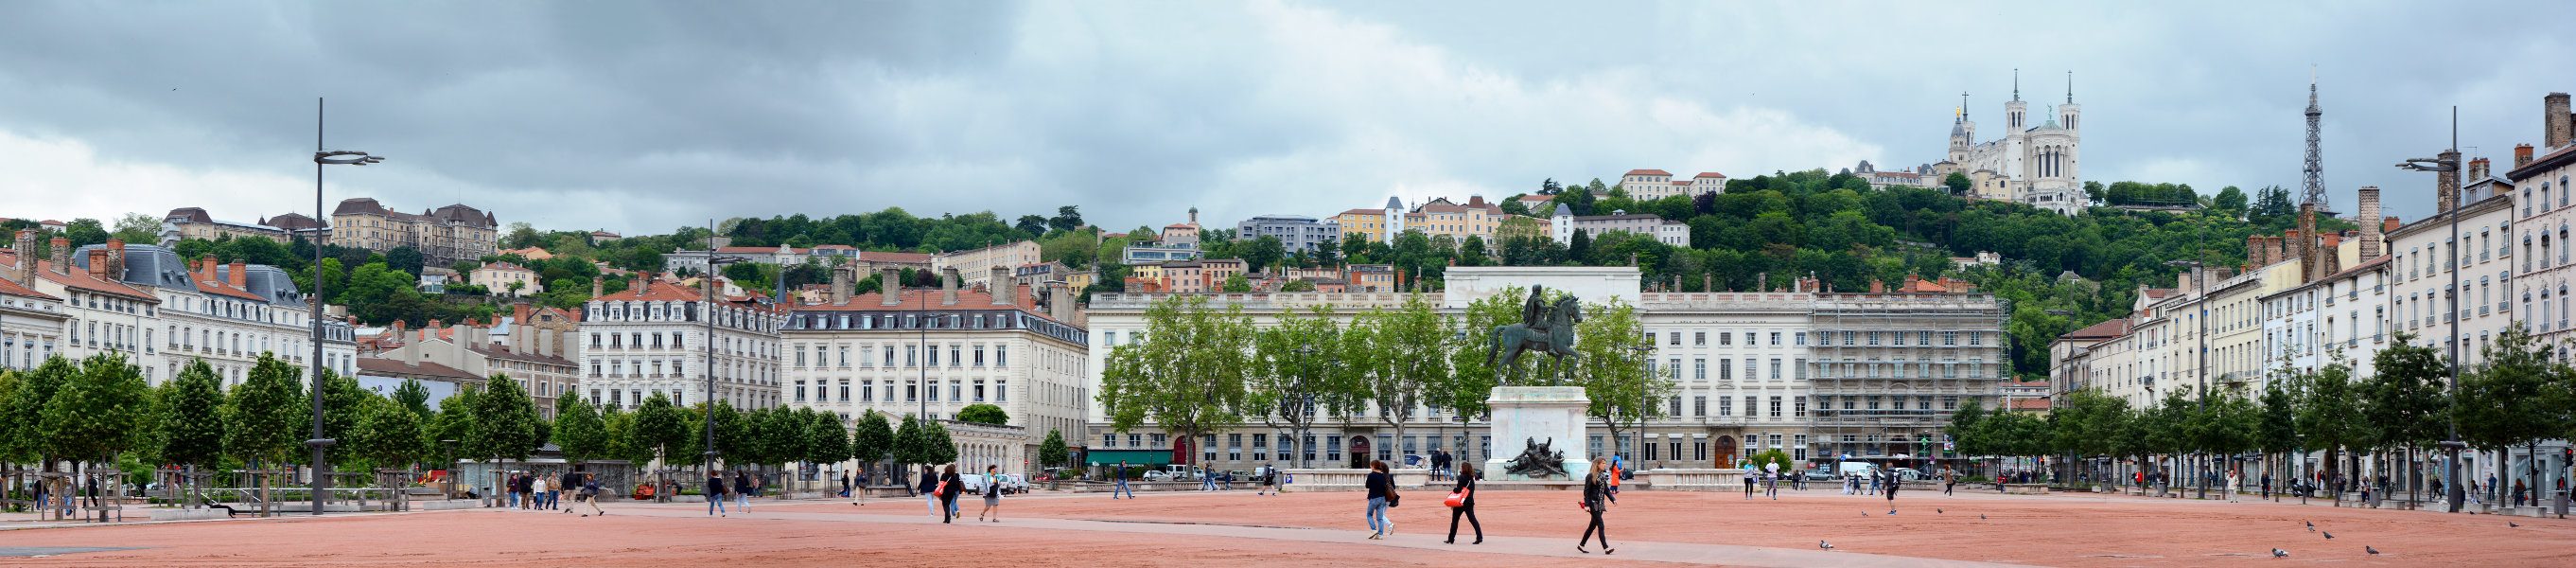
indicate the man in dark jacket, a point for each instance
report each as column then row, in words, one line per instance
column 715, row 493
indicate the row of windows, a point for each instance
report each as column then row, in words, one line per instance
column 868, row 391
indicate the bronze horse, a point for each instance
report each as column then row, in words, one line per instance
column 1556, row 340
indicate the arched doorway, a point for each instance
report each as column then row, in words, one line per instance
column 1360, row 451
column 1181, row 450
column 1725, row 456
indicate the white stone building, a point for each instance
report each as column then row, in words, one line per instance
column 852, row 353
column 655, row 337
column 31, row 322
column 1646, row 185
column 496, row 278
column 1746, row 366
column 2035, row 162
column 1565, row 224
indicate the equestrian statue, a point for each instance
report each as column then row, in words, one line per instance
column 1545, row 328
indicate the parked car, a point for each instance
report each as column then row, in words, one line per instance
column 1908, row 474
column 1816, row 475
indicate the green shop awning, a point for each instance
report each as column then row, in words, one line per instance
column 1133, row 457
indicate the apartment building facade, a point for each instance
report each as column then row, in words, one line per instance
column 443, row 235
column 906, row 352
column 1296, row 233
column 656, row 337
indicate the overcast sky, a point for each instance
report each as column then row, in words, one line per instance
column 639, row 117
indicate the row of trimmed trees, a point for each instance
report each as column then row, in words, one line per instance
column 1197, row 370
column 101, row 411
column 2518, row 397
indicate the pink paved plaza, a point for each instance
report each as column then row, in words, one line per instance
column 1239, row 529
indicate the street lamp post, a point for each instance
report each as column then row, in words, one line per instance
column 2447, row 165
column 2200, row 315
column 321, row 157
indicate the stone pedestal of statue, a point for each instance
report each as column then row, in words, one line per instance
column 1546, row 415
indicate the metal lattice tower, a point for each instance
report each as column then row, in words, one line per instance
column 2315, row 188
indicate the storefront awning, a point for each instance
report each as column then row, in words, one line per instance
column 1133, row 457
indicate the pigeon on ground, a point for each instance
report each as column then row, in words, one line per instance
column 2372, row 551
column 1981, row 516
column 2511, row 524
column 2278, row 553
column 1936, row 510
column 2312, row 527
column 1891, row 511
column 2330, row 535
column 1824, row 545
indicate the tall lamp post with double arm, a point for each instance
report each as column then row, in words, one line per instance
column 2447, row 166
column 321, row 157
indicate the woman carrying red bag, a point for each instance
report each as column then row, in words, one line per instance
column 1462, row 501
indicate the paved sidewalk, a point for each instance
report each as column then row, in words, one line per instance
column 1688, row 553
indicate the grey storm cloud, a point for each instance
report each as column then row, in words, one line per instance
column 642, row 116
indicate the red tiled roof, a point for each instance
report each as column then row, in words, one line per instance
column 2159, row 292
column 504, row 266
column 1647, row 173
column 895, row 257
column 15, row 289
column 1710, row 175
column 2107, row 329
column 79, row 278
column 390, row 366
column 2030, row 404
column 656, row 292
column 1534, row 198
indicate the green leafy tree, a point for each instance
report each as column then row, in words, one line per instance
column 981, row 413
column 1612, row 367
column 1263, row 252
column 505, row 421
column 1052, row 452
column 872, row 440
column 1957, row 183
column 660, row 431
column 827, row 441
column 2506, row 402
column 2330, row 415
column 265, row 418
column 455, row 421
column 1189, row 375
column 909, row 446
column 413, row 396
column 1762, row 461
column 936, row 444
column 2406, row 399
column 580, row 433
column 1967, row 428
column 193, row 436
column 1067, row 218
column 98, row 413
column 2278, row 432
column 138, row 228
column 343, row 405
column 389, row 436
column 1293, row 377
column 1408, row 360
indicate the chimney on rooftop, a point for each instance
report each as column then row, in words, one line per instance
column 2446, row 185
column 948, row 286
column 891, row 280
column 116, row 258
column 19, row 267
column 2521, row 155
column 597, row 284
column 2560, row 125
column 2477, row 169
column 1059, row 301
column 98, row 264
column 2370, row 223
column 239, row 277
column 62, row 248
column 841, row 284
column 1000, row 285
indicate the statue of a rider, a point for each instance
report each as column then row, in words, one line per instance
column 1534, row 310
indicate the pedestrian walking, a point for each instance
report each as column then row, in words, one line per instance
column 929, row 490
column 1595, row 502
column 1891, row 491
column 1615, row 470
column 537, row 487
column 715, row 493
column 1207, row 479
column 742, row 487
column 1269, row 481
column 1462, row 497
column 2267, row 485
column 1381, row 488
column 949, row 486
column 992, row 494
column 1949, row 482
column 2232, row 483
column 590, row 494
column 858, row 492
column 845, row 483
column 1119, row 480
